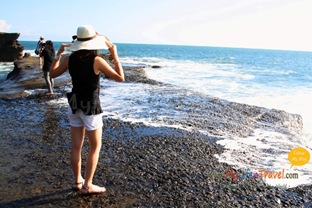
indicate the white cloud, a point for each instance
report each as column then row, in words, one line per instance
column 4, row 26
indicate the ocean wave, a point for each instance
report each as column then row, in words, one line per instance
column 5, row 68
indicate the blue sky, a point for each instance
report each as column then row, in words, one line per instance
column 272, row 24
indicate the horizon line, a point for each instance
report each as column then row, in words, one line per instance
column 172, row 44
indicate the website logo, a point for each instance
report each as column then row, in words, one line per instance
column 298, row 157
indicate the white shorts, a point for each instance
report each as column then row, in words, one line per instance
column 90, row 122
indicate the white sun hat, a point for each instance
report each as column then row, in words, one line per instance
column 88, row 39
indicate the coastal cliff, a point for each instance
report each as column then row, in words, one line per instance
column 10, row 49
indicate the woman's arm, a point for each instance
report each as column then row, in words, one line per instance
column 100, row 65
column 59, row 67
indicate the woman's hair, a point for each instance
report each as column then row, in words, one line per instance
column 86, row 53
column 50, row 43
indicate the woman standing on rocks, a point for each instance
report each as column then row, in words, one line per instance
column 48, row 54
column 39, row 48
column 85, row 112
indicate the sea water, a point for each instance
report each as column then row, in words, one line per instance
column 266, row 78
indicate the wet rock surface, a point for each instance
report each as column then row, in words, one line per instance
column 26, row 75
column 141, row 166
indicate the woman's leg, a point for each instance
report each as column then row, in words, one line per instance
column 77, row 134
column 48, row 81
column 52, row 82
column 95, row 143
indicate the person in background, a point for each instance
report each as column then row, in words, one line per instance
column 48, row 54
column 39, row 49
column 74, row 37
column 39, row 45
column 85, row 112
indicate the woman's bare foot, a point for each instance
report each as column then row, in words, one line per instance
column 92, row 189
column 78, row 185
column 49, row 93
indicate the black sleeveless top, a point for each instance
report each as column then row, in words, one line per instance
column 86, row 85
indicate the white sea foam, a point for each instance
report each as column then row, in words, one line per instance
column 264, row 149
column 5, row 68
column 235, row 85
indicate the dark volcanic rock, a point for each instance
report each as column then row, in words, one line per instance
column 10, row 49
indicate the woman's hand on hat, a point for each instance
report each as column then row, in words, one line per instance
column 112, row 49
column 62, row 48
column 109, row 44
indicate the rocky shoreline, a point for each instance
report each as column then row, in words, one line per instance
column 141, row 166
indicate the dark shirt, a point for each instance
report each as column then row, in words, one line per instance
column 86, row 85
column 39, row 47
column 48, row 57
